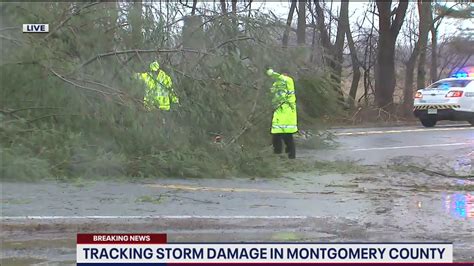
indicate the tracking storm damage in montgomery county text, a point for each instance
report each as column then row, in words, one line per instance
column 263, row 253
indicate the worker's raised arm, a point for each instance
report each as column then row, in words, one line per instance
column 273, row 74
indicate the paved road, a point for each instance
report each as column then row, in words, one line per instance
column 381, row 145
column 390, row 200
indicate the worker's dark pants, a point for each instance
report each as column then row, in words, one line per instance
column 166, row 123
column 289, row 143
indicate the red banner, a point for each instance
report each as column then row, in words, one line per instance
column 121, row 238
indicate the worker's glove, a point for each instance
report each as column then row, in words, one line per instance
column 270, row 72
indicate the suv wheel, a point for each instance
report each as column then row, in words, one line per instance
column 471, row 122
column 428, row 122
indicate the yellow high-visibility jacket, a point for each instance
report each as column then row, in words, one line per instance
column 159, row 91
column 285, row 118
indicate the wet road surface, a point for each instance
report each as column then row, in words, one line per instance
column 416, row 186
column 380, row 145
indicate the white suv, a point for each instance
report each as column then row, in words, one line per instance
column 446, row 99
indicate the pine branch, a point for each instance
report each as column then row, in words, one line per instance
column 32, row 108
column 242, row 38
column 50, row 115
column 75, row 84
column 137, row 51
column 61, row 24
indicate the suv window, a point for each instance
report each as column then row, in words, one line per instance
column 446, row 84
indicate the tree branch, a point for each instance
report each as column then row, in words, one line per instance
column 61, row 24
column 242, row 38
column 50, row 115
column 17, row 42
column 137, row 51
column 400, row 16
column 75, row 84
column 31, row 108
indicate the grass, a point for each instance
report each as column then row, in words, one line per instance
column 150, row 199
column 16, row 201
column 342, row 167
column 324, row 167
column 323, row 140
column 343, row 185
column 442, row 171
column 81, row 182
column 403, row 168
column 468, row 188
column 286, row 236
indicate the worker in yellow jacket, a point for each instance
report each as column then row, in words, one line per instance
column 159, row 91
column 284, row 121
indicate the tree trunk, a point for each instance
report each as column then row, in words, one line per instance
column 301, row 27
column 110, row 25
column 250, row 7
column 286, row 34
column 333, row 52
column 223, row 7
column 421, row 73
column 425, row 23
column 234, row 7
column 385, row 71
column 193, row 10
column 136, row 23
column 426, row 19
column 409, row 78
column 313, row 34
column 193, row 33
column 355, row 61
column 385, row 65
column 369, row 61
column 434, row 54
column 339, row 44
column 325, row 41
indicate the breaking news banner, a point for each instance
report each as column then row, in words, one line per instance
column 153, row 249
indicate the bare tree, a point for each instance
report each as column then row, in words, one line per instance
column 368, row 61
column 234, row 7
column 301, row 27
column 356, row 74
column 193, row 10
column 434, row 51
column 453, row 53
column 442, row 12
column 426, row 19
column 334, row 51
column 390, row 23
column 286, row 34
column 223, row 7
column 410, row 64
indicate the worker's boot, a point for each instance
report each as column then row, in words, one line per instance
column 292, row 156
column 291, row 150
